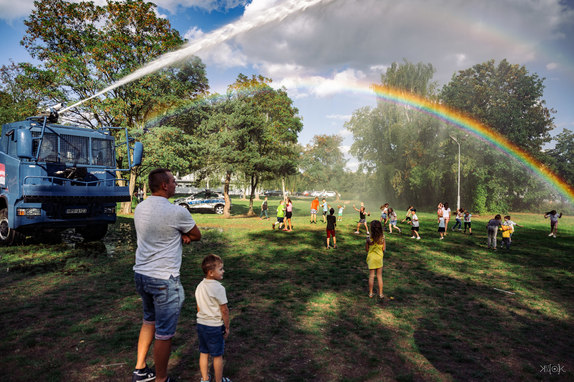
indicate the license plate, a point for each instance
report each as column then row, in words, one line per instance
column 71, row 211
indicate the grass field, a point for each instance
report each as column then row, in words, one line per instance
column 299, row 312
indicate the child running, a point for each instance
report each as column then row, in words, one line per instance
column 280, row 215
column 384, row 214
column 393, row 220
column 331, row 224
column 375, row 247
column 212, row 318
column 362, row 218
column 553, row 221
column 414, row 224
column 459, row 216
column 408, row 215
column 467, row 222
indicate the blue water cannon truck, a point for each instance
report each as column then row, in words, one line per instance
column 54, row 177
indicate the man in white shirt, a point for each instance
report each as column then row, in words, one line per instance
column 161, row 228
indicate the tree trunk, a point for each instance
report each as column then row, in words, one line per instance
column 254, row 182
column 127, row 206
column 227, row 207
column 283, row 188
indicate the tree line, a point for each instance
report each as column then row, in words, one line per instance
column 251, row 131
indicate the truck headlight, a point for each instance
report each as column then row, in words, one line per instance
column 28, row 212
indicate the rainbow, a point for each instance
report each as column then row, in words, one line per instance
column 475, row 128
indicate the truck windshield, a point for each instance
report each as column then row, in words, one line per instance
column 75, row 149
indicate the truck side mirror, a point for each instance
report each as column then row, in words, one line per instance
column 24, row 145
column 138, row 154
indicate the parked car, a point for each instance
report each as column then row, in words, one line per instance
column 273, row 193
column 206, row 200
column 328, row 194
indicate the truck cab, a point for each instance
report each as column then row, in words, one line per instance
column 54, row 177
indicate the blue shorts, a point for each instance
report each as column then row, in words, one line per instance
column 211, row 339
column 162, row 301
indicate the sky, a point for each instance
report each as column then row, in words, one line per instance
column 327, row 52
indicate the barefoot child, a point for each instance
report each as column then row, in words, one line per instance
column 393, row 220
column 212, row 318
column 553, row 221
column 362, row 218
column 375, row 247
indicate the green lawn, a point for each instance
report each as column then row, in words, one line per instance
column 300, row 312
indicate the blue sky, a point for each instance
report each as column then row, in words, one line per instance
column 326, row 54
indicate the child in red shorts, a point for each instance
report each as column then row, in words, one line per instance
column 331, row 224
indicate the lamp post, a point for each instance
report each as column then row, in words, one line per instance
column 458, row 192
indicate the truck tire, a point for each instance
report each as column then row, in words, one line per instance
column 8, row 236
column 93, row 232
column 218, row 209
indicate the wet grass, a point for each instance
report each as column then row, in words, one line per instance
column 301, row 312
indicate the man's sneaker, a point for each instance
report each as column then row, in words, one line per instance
column 418, row 238
column 143, row 375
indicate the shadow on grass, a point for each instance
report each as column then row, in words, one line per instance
column 299, row 312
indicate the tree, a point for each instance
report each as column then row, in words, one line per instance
column 275, row 150
column 323, row 163
column 507, row 99
column 400, row 148
column 18, row 98
column 562, row 155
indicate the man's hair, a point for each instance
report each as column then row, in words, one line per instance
column 157, row 177
column 210, row 262
column 332, row 211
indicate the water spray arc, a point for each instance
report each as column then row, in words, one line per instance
column 273, row 14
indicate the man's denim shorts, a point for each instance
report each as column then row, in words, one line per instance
column 211, row 339
column 162, row 301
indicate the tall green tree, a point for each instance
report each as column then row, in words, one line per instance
column 507, row 99
column 401, row 149
column 275, row 149
column 323, row 163
column 87, row 47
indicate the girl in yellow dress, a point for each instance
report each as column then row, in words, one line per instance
column 375, row 250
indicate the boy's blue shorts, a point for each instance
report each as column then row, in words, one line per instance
column 211, row 339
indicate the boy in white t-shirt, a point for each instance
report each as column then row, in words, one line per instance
column 212, row 318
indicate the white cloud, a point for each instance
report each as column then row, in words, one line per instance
column 368, row 35
column 552, row 66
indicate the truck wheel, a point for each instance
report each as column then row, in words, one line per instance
column 8, row 236
column 93, row 232
column 218, row 209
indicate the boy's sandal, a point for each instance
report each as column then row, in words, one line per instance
column 371, row 295
column 225, row 379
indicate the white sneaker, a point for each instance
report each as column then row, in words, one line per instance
column 551, row 234
column 441, row 238
column 418, row 238
column 412, row 237
column 357, row 232
column 554, row 236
